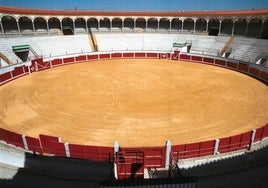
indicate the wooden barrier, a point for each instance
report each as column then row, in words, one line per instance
column 132, row 161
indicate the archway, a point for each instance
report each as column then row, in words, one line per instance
column 141, row 24
column 54, row 26
column 26, row 25
column 152, row 24
column 40, row 25
column 227, row 26
column 254, row 27
column 80, row 25
column 213, row 27
column 264, row 34
column 9, row 25
column 67, row 26
column 92, row 24
column 104, row 24
column 117, row 24
column 128, row 24
column 200, row 25
column 176, row 24
column 188, row 25
column 164, row 24
column 240, row 26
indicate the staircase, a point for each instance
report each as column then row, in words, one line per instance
column 226, row 46
column 93, row 42
column 2, row 56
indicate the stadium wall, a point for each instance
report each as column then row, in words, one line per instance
column 140, row 157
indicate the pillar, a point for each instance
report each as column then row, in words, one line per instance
column 74, row 26
column 61, row 26
column 168, row 151
column 207, row 27
column 170, row 25
column 48, row 27
column 233, row 28
column 246, row 29
column 18, row 26
column 182, row 23
column 33, row 27
column 67, row 150
column 261, row 28
column 220, row 28
column 86, row 27
column 194, row 25
column 253, row 133
column 2, row 28
column 216, row 146
column 116, row 148
column 25, row 142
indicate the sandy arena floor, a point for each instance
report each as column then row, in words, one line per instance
column 136, row 102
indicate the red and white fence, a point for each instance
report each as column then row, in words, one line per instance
column 130, row 162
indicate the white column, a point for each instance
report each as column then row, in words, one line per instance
column 116, row 148
column 194, row 25
column 253, row 133
column 247, row 29
column 33, row 27
column 259, row 34
column 220, row 28
column 25, row 142
column 182, row 23
column 233, row 28
column 18, row 26
column 1, row 25
column 168, row 151
column 86, row 27
column 207, row 28
column 48, row 27
column 169, row 25
column 216, row 146
column 74, row 26
column 61, row 26
column 67, row 150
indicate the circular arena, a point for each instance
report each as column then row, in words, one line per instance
column 148, row 98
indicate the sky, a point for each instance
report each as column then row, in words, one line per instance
column 138, row 5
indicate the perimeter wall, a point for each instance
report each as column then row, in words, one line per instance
column 130, row 162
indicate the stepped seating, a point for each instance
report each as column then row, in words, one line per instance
column 248, row 49
column 46, row 46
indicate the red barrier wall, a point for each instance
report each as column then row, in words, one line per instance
column 81, row 58
column 104, row 56
column 208, row 60
column 151, row 156
column 128, row 55
column 93, row 57
column 56, row 62
column 152, row 55
column 33, row 144
column 243, row 67
column 185, row 57
column 197, row 58
column 264, row 75
column 206, row 148
column 220, row 62
column 232, row 65
column 6, row 76
column 117, row 55
column 68, row 60
column 140, row 54
column 254, row 71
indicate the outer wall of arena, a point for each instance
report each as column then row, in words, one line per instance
column 137, row 158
